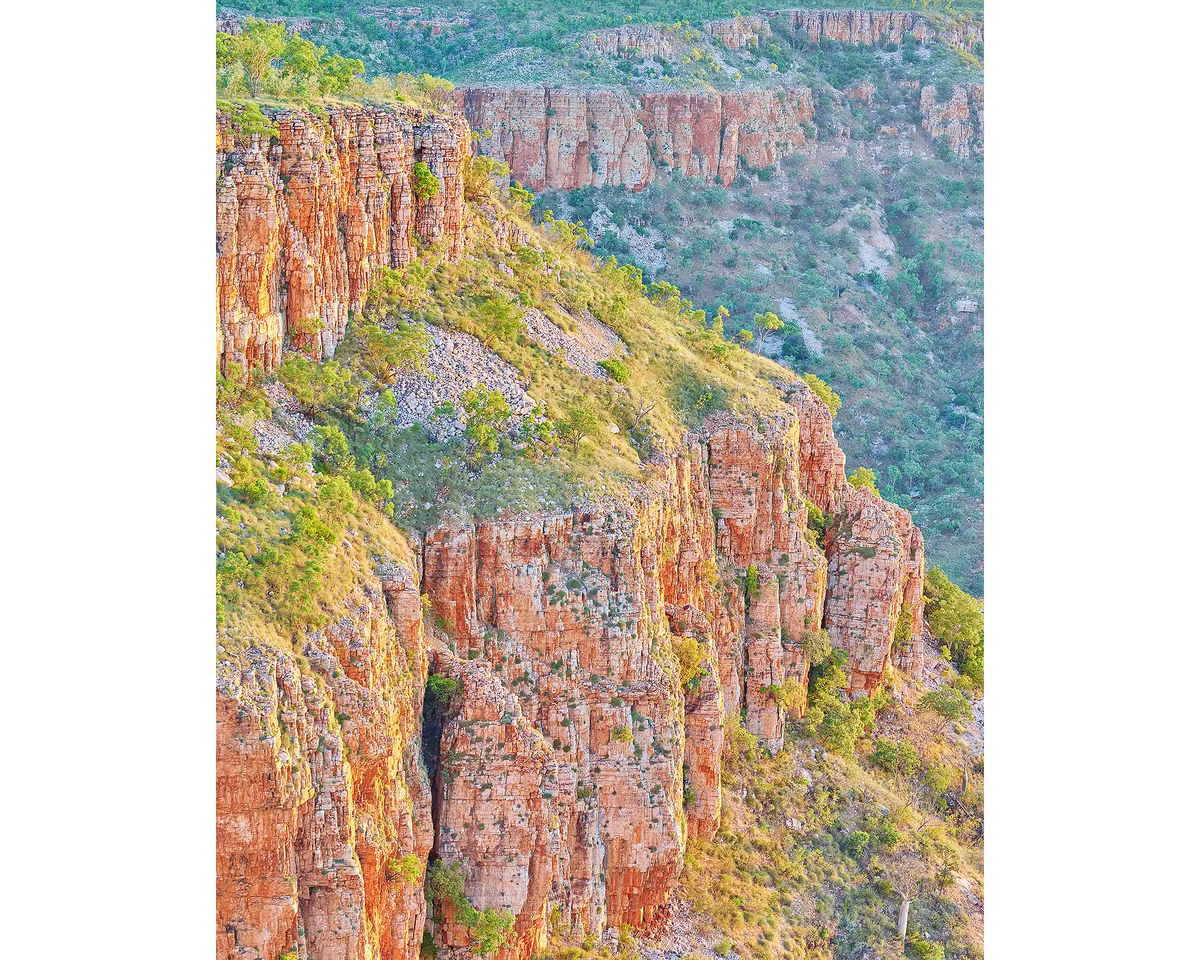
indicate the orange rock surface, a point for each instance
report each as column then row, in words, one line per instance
column 870, row 27
column 576, row 763
column 320, row 786
column 305, row 220
column 737, row 33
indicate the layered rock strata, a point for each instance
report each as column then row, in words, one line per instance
column 870, row 27
column 576, row 758
column 565, row 139
column 320, row 788
column 738, row 33
column 306, row 218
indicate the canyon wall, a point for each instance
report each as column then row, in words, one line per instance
column 958, row 121
column 576, row 760
column 306, row 219
column 869, row 27
column 320, row 789
column 565, row 139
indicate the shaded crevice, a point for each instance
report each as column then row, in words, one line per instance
column 434, row 716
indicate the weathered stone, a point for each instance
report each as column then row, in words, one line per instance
column 577, row 762
column 305, row 221
column 566, row 139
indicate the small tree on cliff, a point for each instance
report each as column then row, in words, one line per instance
column 863, row 477
column 425, row 184
column 436, row 91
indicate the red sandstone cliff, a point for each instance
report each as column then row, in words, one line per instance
column 320, row 787
column 306, row 218
column 565, row 139
column 577, row 764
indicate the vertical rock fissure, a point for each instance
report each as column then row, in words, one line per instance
column 433, row 722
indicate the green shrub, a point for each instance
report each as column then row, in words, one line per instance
column 691, row 659
column 949, row 703
column 445, row 690
column 956, row 619
column 425, row 184
column 856, row 843
column 616, row 369
column 751, row 582
column 863, row 477
column 824, row 391
column 622, row 734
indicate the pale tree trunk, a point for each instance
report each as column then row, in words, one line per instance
column 902, row 923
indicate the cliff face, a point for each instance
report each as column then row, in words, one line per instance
column 578, row 759
column 565, row 139
column 869, row 27
column 643, row 39
column 305, row 220
column 320, row 786
column 737, row 33
column 876, row 570
column 959, row 121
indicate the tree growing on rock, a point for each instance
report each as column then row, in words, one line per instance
column 487, row 412
column 425, row 184
column 863, row 477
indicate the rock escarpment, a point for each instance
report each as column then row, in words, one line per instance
column 578, row 758
column 565, row 139
column 959, row 121
column 643, row 39
column 738, row 33
column 869, row 27
column 320, row 788
column 306, row 217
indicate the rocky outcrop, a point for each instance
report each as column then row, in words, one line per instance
column 320, row 790
column 738, row 33
column 870, row 27
column 876, row 571
column 308, row 215
column 565, row 139
column 577, row 756
column 642, row 39
column 863, row 91
column 232, row 24
column 958, row 121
